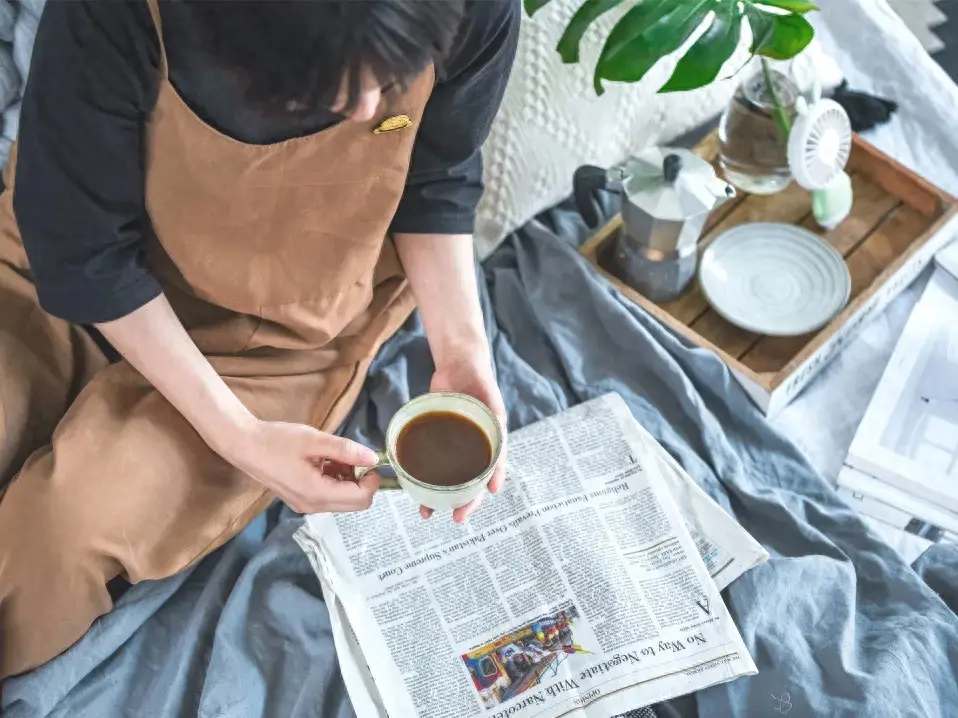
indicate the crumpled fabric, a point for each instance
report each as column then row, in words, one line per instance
column 8, row 17
column 18, row 31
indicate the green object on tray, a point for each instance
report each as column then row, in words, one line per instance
column 830, row 206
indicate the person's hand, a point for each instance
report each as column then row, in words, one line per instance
column 476, row 379
column 308, row 469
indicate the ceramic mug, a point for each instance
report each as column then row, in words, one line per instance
column 430, row 495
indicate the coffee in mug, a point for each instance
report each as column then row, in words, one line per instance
column 443, row 448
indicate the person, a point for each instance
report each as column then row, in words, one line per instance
column 243, row 200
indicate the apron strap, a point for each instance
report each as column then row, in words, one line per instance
column 154, row 6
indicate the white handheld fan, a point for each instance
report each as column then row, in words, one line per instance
column 819, row 146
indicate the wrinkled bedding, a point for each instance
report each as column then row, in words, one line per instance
column 19, row 20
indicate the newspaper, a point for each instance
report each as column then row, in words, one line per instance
column 582, row 589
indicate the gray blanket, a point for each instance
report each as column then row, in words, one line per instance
column 836, row 622
column 19, row 20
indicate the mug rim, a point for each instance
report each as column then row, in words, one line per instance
column 484, row 476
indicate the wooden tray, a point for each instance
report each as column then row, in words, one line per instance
column 898, row 222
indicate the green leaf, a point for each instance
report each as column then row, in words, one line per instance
column 588, row 12
column 653, row 29
column 789, row 35
column 798, row 6
column 762, row 27
column 639, row 20
column 646, row 34
column 533, row 6
column 704, row 60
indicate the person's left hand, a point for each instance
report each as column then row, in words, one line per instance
column 476, row 379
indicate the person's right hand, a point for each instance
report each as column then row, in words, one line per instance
column 308, row 469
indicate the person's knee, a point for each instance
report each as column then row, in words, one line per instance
column 52, row 588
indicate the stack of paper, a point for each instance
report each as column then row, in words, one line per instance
column 947, row 259
column 902, row 467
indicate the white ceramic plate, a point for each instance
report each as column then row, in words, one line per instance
column 774, row 279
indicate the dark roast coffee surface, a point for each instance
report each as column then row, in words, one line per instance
column 443, row 449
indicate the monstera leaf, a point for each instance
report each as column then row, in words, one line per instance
column 653, row 29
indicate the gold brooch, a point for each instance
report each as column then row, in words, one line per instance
column 391, row 124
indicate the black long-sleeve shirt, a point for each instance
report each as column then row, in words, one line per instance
column 79, row 195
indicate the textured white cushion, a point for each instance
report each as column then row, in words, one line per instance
column 551, row 120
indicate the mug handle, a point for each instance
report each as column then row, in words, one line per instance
column 382, row 462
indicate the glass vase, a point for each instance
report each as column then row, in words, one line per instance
column 753, row 131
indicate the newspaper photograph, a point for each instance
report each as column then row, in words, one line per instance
column 588, row 587
column 522, row 659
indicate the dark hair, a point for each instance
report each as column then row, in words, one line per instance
column 274, row 45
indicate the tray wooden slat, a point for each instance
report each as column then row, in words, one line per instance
column 872, row 206
column 896, row 179
column 732, row 339
column 894, row 213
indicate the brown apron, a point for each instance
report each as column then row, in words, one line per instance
column 277, row 260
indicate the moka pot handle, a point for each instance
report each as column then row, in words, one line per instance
column 586, row 180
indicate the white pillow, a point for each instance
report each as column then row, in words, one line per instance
column 551, row 120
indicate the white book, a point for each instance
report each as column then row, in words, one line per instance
column 871, row 507
column 908, row 437
column 885, row 502
column 947, row 259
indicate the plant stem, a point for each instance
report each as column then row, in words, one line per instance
column 779, row 114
